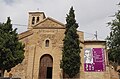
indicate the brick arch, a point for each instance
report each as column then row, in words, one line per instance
column 45, row 67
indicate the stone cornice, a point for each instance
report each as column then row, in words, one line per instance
column 25, row 34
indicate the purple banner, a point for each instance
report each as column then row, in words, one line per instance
column 94, row 60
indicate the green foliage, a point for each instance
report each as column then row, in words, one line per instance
column 11, row 50
column 71, row 50
column 113, row 40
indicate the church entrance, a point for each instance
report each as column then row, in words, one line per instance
column 46, row 66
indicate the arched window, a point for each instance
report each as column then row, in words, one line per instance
column 33, row 20
column 47, row 43
column 37, row 19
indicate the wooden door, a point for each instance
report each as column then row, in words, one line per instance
column 46, row 64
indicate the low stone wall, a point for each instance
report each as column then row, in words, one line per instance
column 8, row 78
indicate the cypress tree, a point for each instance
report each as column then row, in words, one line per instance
column 70, row 62
column 11, row 50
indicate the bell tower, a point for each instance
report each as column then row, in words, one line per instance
column 35, row 18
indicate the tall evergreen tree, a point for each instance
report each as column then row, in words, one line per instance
column 11, row 50
column 113, row 40
column 70, row 62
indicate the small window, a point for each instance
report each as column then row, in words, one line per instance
column 37, row 19
column 33, row 20
column 47, row 43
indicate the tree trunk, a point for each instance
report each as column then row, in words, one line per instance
column 2, row 72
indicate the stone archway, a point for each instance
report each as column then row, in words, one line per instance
column 46, row 65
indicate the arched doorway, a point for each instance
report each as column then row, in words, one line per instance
column 46, row 64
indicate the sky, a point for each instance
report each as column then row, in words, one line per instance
column 91, row 15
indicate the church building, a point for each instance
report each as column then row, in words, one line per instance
column 43, row 52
